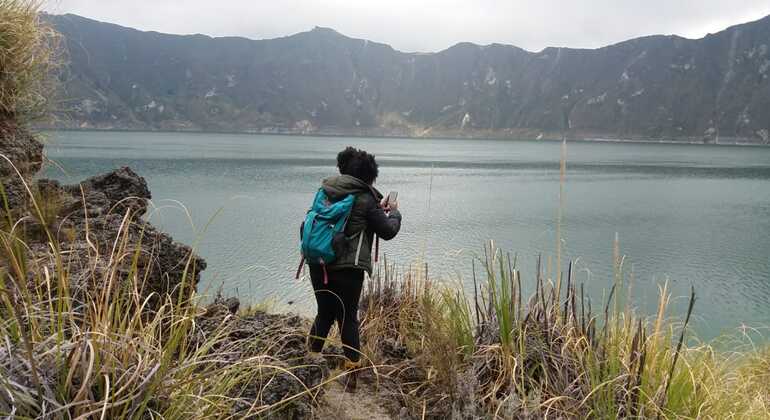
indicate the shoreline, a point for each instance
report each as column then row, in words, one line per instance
column 341, row 134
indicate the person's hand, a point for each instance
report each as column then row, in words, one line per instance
column 390, row 206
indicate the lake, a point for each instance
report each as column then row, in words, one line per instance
column 687, row 214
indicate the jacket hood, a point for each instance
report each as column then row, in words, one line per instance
column 337, row 187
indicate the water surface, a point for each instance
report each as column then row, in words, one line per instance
column 692, row 215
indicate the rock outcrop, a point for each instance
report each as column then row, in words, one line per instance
column 100, row 212
column 22, row 157
column 98, row 216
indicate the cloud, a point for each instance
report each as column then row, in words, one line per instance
column 429, row 25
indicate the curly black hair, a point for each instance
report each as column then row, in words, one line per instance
column 358, row 163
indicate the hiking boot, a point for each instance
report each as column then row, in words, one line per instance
column 350, row 380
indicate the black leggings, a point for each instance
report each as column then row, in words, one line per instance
column 337, row 301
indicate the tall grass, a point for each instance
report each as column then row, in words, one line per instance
column 503, row 355
column 80, row 337
column 30, row 54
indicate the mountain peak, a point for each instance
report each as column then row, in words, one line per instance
column 325, row 32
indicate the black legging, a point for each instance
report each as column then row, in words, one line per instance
column 337, row 300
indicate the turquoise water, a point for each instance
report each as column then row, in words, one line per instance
column 692, row 215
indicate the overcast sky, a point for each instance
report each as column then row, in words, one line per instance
column 429, row 25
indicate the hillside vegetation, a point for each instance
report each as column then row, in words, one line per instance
column 712, row 89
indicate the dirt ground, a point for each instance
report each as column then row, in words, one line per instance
column 364, row 404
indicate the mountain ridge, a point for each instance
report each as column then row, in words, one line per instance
column 334, row 31
column 323, row 82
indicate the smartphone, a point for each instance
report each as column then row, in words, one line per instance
column 392, row 197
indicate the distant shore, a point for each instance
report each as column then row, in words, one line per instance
column 519, row 135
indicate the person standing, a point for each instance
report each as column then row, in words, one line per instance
column 337, row 286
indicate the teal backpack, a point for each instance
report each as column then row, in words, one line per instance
column 324, row 221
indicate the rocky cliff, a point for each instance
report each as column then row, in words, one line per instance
column 89, row 219
column 320, row 81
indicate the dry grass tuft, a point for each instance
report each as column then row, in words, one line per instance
column 30, row 54
column 497, row 354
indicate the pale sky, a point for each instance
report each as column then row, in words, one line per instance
column 429, row 25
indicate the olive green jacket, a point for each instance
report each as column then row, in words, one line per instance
column 367, row 219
